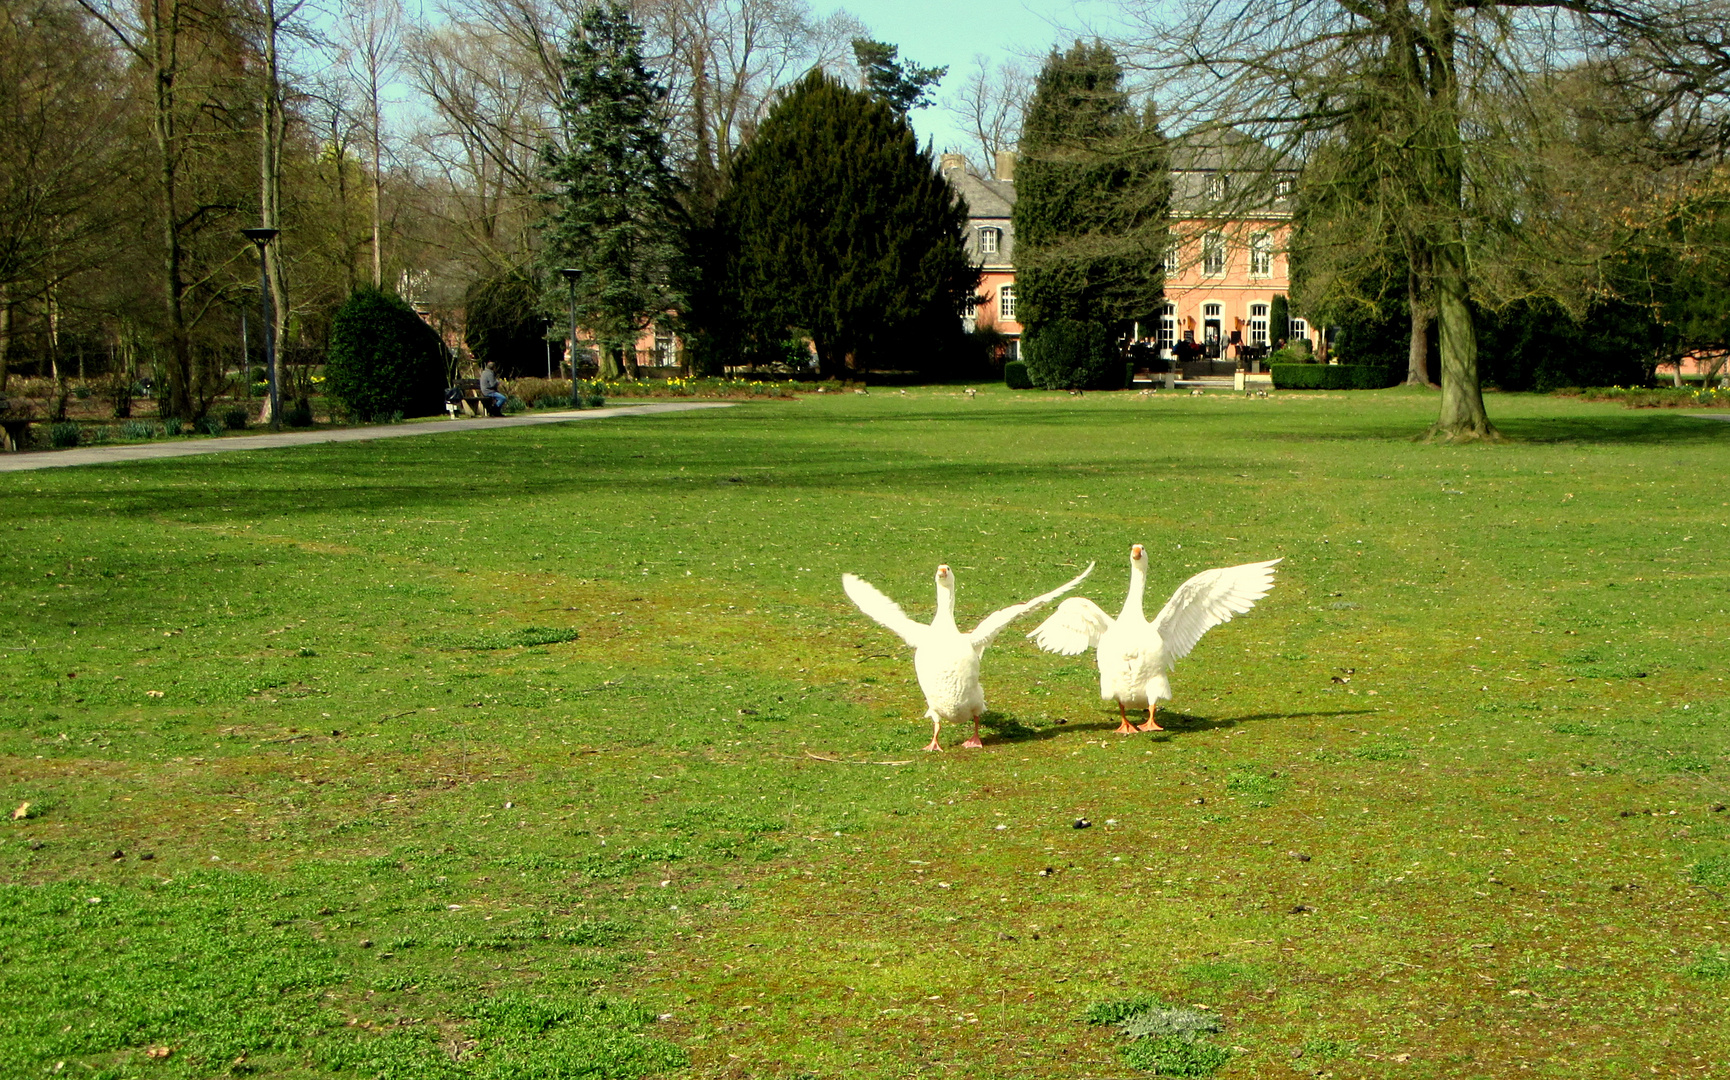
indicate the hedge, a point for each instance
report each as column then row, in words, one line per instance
column 1015, row 375
column 1332, row 376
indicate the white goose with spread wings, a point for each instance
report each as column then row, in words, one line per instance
column 945, row 659
column 1135, row 655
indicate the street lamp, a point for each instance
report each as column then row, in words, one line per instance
column 261, row 237
column 572, row 273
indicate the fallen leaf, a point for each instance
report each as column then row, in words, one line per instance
column 22, row 812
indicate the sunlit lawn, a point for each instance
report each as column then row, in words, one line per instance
column 558, row 752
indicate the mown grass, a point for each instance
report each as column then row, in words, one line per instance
column 558, row 752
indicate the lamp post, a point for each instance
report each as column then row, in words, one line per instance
column 259, row 238
column 572, row 273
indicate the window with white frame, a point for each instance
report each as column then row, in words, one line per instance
column 989, row 240
column 1260, row 255
column 1210, row 311
column 1284, row 187
column 1006, row 302
column 1173, row 254
column 1217, row 186
column 1299, row 329
column 1167, row 328
column 1213, row 253
column 1258, row 324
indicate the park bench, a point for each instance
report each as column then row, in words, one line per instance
column 471, row 403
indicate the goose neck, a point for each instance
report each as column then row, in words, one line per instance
column 1137, row 587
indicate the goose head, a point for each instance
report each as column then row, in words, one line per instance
column 945, row 596
column 1138, row 556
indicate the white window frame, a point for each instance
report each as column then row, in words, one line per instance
column 1006, row 303
column 1299, row 329
column 1261, row 255
column 1214, row 256
column 1173, row 254
column 990, row 240
column 1284, row 187
column 1167, row 328
column 1258, row 324
column 1218, row 184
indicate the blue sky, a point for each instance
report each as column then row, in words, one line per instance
column 932, row 33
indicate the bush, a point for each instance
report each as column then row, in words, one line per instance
column 1070, row 354
column 64, row 435
column 138, row 429
column 210, row 425
column 1015, row 375
column 1296, row 352
column 298, row 414
column 543, row 393
column 384, row 359
column 513, row 405
column 1332, row 376
column 234, row 419
column 171, row 426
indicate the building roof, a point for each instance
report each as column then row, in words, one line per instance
column 1216, row 149
column 986, row 198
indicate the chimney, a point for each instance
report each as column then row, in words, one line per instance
column 1006, row 165
column 948, row 163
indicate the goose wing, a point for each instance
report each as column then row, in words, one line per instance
column 883, row 610
column 1208, row 599
column 993, row 624
column 1075, row 627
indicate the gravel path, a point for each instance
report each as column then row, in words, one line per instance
column 98, row 455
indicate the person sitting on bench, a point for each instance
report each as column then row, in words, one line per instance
column 490, row 390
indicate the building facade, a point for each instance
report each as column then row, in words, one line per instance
column 1231, row 220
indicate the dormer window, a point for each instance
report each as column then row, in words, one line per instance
column 1217, row 186
column 1284, row 187
column 990, row 240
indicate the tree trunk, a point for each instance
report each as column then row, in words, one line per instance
column 1420, row 298
column 1462, row 417
column 177, row 394
column 609, row 359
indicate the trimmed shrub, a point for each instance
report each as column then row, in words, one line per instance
column 1332, row 376
column 234, row 419
column 1128, row 374
column 64, row 435
column 1279, row 318
column 1015, row 375
column 384, row 359
column 1071, row 354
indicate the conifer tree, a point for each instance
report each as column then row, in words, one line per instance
column 836, row 226
column 1093, row 197
column 900, row 84
column 614, row 212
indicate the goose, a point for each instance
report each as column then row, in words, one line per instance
column 1134, row 654
column 945, row 659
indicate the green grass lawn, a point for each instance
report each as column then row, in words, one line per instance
column 558, row 752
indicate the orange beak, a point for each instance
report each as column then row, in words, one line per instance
column 1136, row 551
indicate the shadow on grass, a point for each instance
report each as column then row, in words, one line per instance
column 1007, row 729
column 1670, row 427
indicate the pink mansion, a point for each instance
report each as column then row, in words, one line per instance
column 1225, row 265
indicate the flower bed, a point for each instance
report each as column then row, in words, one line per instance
column 556, row 393
column 1653, row 397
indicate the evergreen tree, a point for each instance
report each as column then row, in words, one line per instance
column 837, row 227
column 1093, row 196
column 384, row 359
column 614, row 214
column 901, row 85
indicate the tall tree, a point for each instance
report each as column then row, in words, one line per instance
column 614, row 213
column 1093, row 196
column 1454, row 95
column 837, row 226
column 992, row 106
column 900, row 84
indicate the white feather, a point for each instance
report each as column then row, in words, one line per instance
column 1074, row 628
column 1208, row 599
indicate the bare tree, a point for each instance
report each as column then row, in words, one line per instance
column 992, row 103
column 371, row 36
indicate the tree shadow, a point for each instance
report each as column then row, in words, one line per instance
column 1008, row 730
